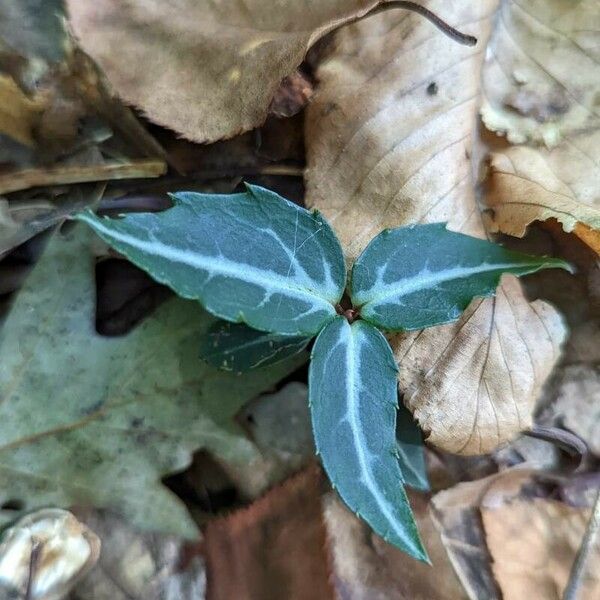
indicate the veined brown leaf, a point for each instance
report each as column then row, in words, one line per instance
column 523, row 187
column 208, row 70
column 389, row 144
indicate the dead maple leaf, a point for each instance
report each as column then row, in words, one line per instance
column 541, row 86
column 207, row 70
column 389, row 143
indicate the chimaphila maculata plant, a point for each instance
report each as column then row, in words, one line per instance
column 257, row 259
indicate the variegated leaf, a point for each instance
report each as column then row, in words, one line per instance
column 252, row 257
column 414, row 277
column 353, row 400
column 237, row 347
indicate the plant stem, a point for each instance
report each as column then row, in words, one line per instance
column 587, row 545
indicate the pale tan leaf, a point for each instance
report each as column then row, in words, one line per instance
column 473, row 385
column 541, row 78
column 206, row 69
column 456, row 514
column 522, row 188
column 389, row 143
column 541, row 86
column 533, row 544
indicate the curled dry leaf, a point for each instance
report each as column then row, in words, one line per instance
column 541, row 84
column 44, row 554
column 457, row 516
column 523, row 187
column 388, row 145
column 208, row 70
column 507, row 541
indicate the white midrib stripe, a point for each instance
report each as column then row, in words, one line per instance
column 353, row 364
column 246, row 273
column 422, row 282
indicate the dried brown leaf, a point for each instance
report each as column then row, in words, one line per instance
column 276, row 548
column 523, row 187
column 389, row 143
column 533, row 544
column 207, row 70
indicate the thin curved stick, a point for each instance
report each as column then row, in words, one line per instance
column 451, row 32
column 579, row 566
column 565, row 440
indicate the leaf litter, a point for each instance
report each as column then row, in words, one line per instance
column 428, row 93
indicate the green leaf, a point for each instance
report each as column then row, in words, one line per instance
column 415, row 277
column 86, row 419
column 353, row 400
column 411, row 453
column 237, row 347
column 251, row 257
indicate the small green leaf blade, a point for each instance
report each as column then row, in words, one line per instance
column 252, row 257
column 353, row 401
column 238, row 348
column 415, row 277
column 411, row 452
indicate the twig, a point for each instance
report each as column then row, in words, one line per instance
column 34, row 559
column 28, row 178
column 275, row 169
column 587, row 545
column 565, row 440
column 451, row 32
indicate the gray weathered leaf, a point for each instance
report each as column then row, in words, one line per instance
column 90, row 420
